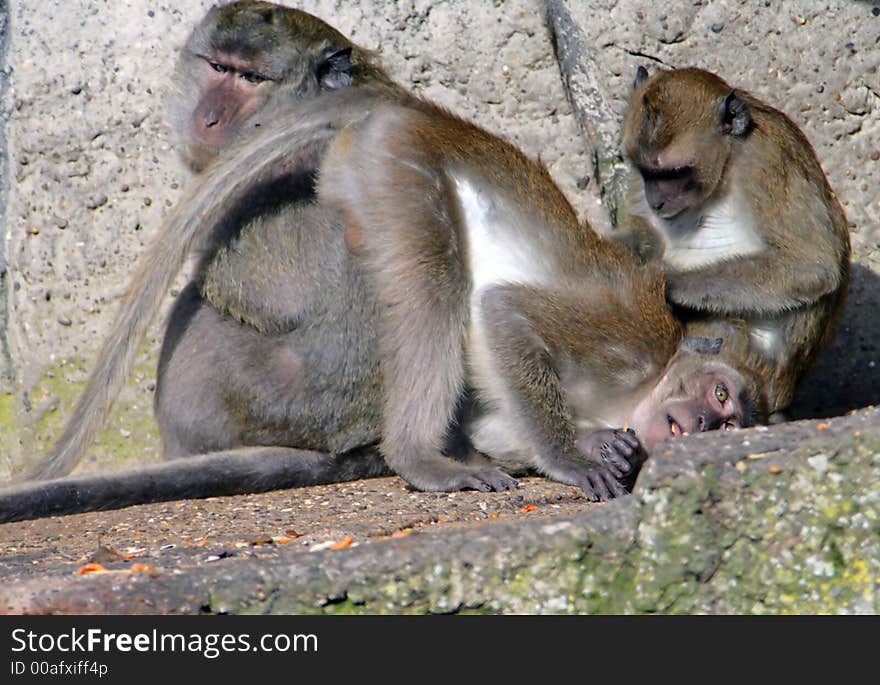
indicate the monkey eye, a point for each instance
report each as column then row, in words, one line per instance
column 253, row 77
column 729, row 426
column 670, row 174
column 721, row 393
column 216, row 66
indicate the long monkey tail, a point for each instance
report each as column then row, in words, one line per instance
column 293, row 141
column 234, row 472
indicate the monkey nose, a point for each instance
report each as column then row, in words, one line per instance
column 211, row 118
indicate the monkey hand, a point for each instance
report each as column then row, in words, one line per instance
column 613, row 459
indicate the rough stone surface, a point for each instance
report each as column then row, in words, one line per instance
column 768, row 521
column 6, row 369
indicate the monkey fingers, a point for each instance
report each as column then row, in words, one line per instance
column 619, row 452
column 599, row 484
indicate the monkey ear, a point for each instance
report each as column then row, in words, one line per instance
column 734, row 115
column 335, row 68
column 641, row 76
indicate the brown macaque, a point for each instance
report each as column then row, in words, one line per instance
column 272, row 344
column 488, row 284
column 727, row 194
column 474, row 305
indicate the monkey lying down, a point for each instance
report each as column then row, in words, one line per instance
column 487, row 285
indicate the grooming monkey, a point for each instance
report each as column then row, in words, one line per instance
column 727, row 194
column 486, row 281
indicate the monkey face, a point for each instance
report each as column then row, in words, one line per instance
column 230, row 92
column 678, row 133
column 670, row 191
column 695, row 396
column 243, row 59
column 680, row 174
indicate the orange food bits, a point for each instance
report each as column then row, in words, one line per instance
column 343, row 543
column 91, row 568
column 138, row 567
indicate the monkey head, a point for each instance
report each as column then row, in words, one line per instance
column 241, row 57
column 678, row 132
column 695, row 394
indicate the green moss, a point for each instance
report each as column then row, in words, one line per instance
column 130, row 433
column 804, row 539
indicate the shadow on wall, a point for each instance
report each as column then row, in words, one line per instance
column 847, row 375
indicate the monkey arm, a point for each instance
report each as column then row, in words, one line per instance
column 281, row 270
column 633, row 228
column 567, row 358
column 758, row 285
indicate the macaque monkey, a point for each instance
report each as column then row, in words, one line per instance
column 260, row 348
column 727, row 194
column 487, row 286
column 487, row 282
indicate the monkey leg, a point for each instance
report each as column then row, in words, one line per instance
column 411, row 251
column 423, row 356
column 233, row 472
column 190, row 411
column 224, row 385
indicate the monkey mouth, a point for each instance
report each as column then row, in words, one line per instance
column 674, row 427
column 671, row 214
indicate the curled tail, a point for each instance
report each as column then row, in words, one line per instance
column 288, row 143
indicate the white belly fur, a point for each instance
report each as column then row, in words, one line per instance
column 724, row 230
column 500, row 250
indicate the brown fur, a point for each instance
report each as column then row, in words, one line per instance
column 798, row 280
column 588, row 328
column 587, row 321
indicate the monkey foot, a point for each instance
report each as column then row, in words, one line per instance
column 487, row 480
column 599, row 485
